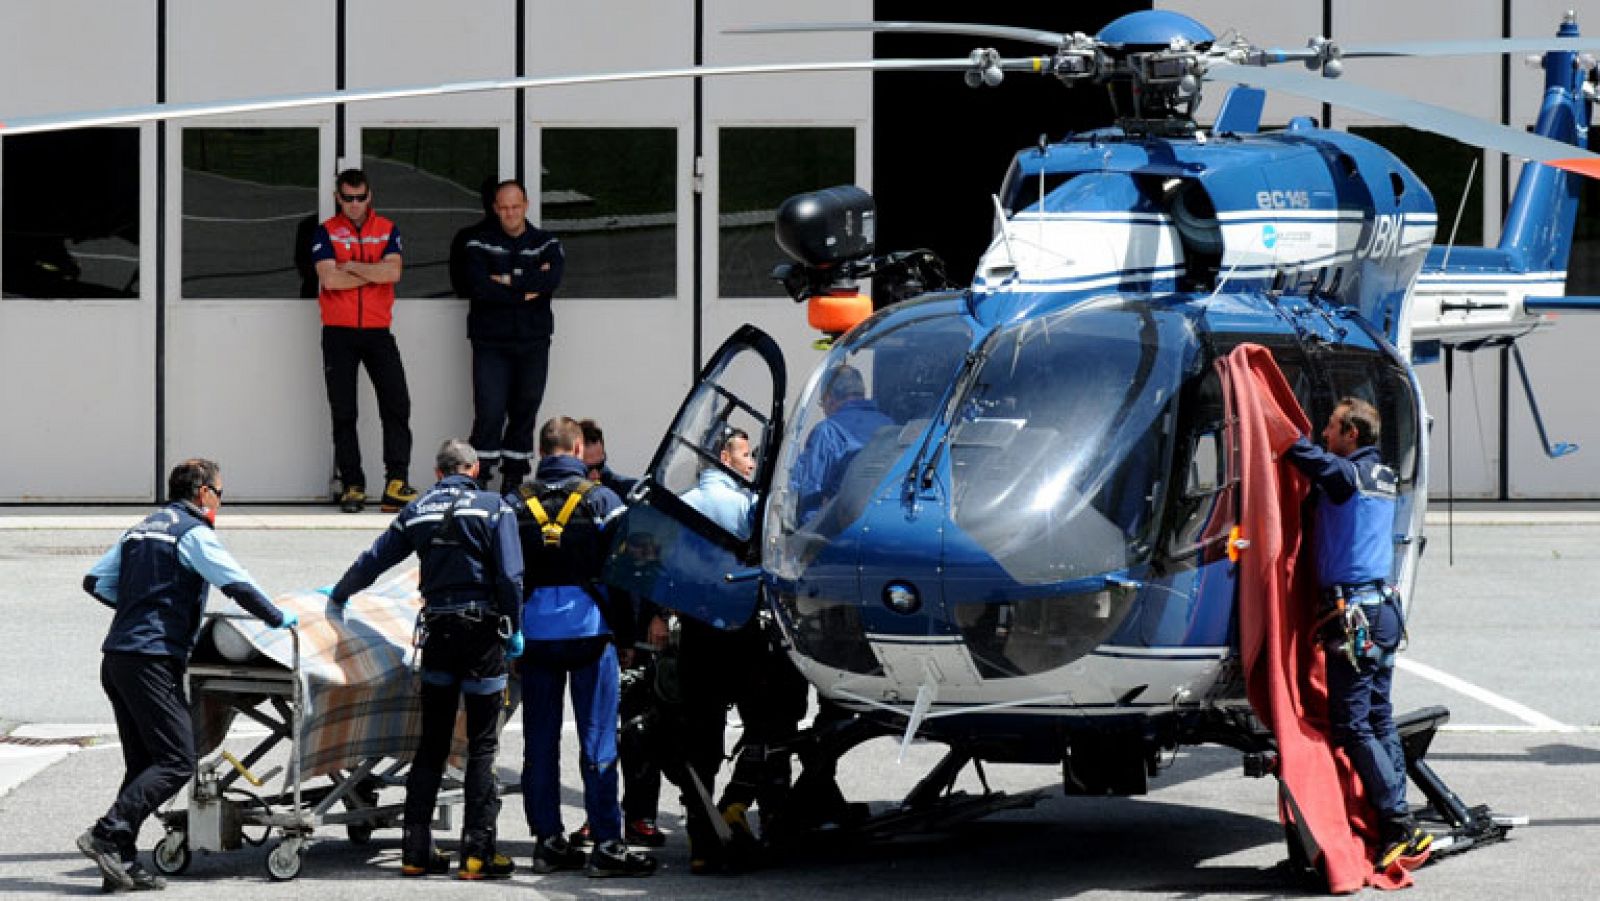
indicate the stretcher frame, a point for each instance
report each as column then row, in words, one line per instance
column 210, row 821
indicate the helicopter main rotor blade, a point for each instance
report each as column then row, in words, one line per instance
column 1050, row 39
column 162, row 111
column 1471, row 47
column 1414, row 113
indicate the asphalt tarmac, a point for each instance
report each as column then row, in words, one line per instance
column 1503, row 637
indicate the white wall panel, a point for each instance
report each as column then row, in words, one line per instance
column 420, row 42
column 1467, row 84
column 831, row 95
column 611, row 36
column 1474, row 441
column 80, row 387
column 63, row 55
column 227, row 49
column 1562, row 364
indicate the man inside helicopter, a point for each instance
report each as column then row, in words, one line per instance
column 852, row 421
column 1361, row 617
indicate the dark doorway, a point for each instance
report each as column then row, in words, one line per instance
column 940, row 148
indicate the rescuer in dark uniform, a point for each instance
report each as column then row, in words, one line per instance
column 575, row 629
column 513, row 270
column 471, row 583
column 155, row 579
column 1355, row 506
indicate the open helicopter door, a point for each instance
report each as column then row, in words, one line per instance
column 692, row 535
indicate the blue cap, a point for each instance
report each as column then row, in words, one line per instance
column 1154, row 28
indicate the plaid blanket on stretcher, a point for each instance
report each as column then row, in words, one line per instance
column 360, row 694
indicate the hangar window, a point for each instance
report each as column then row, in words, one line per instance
column 760, row 169
column 249, row 208
column 431, row 182
column 611, row 196
column 71, row 214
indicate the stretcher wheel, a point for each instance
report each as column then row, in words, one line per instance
column 284, row 862
column 360, row 833
column 171, row 855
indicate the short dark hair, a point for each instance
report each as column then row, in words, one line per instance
column 187, row 478
column 1363, row 417
column 511, row 182
column 559, row 435
column 352, row 178
column 456, row 455
column 726, row 436
column 592, row 433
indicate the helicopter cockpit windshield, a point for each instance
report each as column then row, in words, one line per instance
column 877, row 392
column 1057, row 457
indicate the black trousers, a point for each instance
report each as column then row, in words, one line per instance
column 507, row 388
column 462, row 661
column 344, row 352
column 641, row 771
column 157, row 736
column 739, row 668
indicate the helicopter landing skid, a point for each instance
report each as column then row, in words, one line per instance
column 818, row 811
column 933, row 807
column 1464, row 827
column 1455, row 826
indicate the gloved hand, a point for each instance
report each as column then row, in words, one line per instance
column 290, row 620
column 326, row 591
column 514, row 646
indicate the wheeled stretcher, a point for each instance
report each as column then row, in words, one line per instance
column 332, row 707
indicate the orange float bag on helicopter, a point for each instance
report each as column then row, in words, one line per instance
column 1285, row 677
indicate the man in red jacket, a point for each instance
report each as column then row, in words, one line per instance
column 358, row 262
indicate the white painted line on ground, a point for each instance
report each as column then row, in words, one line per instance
column 19, row 763
column 1509, row 729
column 1527, row 714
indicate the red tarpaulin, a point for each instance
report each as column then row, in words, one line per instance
column 1285, row 673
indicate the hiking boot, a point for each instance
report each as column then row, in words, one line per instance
column 354, row 499
column 397, row 494
column 581, row 837
column 143, row 880
column 614, row 859
column 643, row 832
column 436, row 863
column 106, row 856
column 498, row 866
column 418, row 856
column 1411, row 849
column 554, row 853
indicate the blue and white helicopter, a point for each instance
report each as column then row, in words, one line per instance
column 1019, row 542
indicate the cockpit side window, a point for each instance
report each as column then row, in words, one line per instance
column 1202, row 511
column 1371, row 376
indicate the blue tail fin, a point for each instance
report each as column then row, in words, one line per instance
column 1539, row 226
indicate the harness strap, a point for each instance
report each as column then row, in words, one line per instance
column 552, row 529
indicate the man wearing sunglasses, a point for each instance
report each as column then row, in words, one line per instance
column 358, row 261
column 154, row 579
